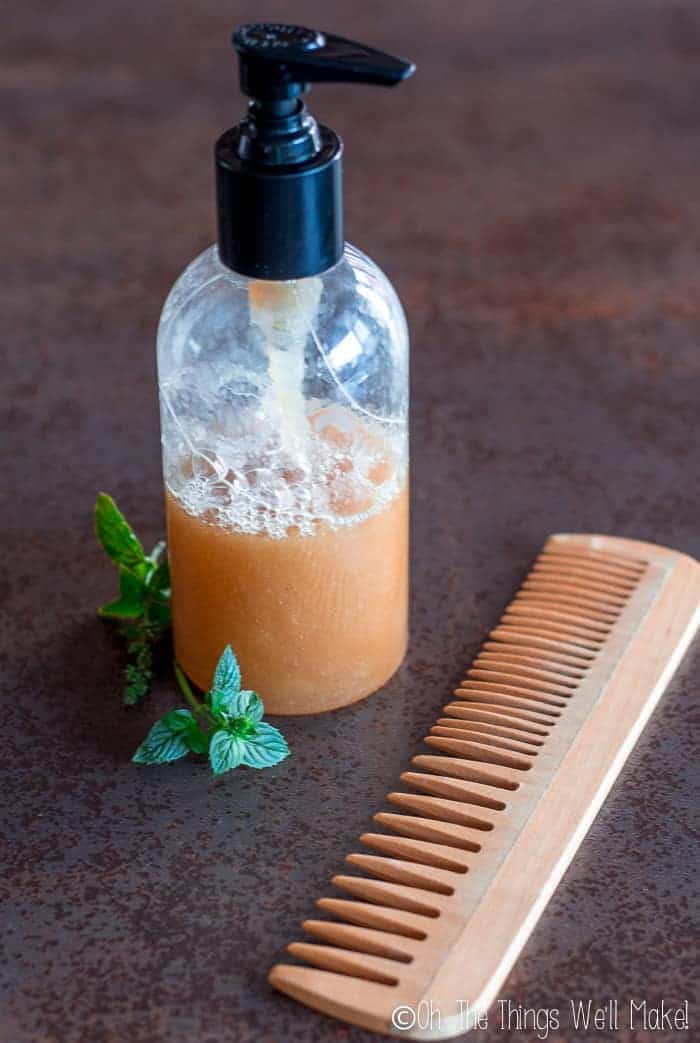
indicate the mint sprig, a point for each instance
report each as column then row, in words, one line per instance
column 227, row 726
column 143, row 606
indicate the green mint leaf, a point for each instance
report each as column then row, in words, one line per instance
column 116, row 535
column 143, row 605
column 226, row 751
column 197, row 740
column 227, row 680
column 267, row 746
column 227, row 677
column 130, row 603
column 166, row 740
column 251, row 706
column 178, row 721
column 241, row 704
column 183, row 722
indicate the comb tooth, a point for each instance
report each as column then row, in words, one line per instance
column 552, row 699
column 503, row 779
column 553, row 615
column 506, row 702
column 462, row 837
column 471, row 750
column 455, row 789
column 551, row 630
column 523, row 636
column 373, row 968
column 461, row 730
column 401, row 872
column 548, row 585
column 522, row 739
column 439, row 808
column 554, row 661
column 599, row 571
column 523, row 720
column 615, row 584
column 561, row 602
column 515, row 675
column 577, row 634
column 391, row 895
column 368, row 1003
column 422, row 852
column 615, row 571
column 545, row 587
column 524, row 668
column 362, row 939
column 590, row 580
column 396, row 921
column 482, row 691
column 474, row 695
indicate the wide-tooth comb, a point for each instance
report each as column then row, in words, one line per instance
column 471, row 851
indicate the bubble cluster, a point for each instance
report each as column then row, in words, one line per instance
column 343, row 471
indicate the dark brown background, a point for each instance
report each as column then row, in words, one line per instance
column 534, row 195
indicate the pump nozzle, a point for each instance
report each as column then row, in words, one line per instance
column 278, row 172
column 279, row 61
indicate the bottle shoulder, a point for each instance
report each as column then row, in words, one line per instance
column 354, row 312
column 356, row 274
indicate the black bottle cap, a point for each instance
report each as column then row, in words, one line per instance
column 278, row 173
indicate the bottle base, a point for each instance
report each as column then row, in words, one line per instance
column 305, row 705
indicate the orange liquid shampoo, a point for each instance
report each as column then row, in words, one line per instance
column 318, row 619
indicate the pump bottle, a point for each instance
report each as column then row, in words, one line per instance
column 283, row 379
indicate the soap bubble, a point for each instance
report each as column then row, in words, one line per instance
column 207, row 464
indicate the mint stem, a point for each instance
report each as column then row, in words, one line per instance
column 200, row 709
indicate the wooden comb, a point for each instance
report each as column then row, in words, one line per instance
column 491, row 817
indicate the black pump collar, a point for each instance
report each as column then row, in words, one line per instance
column 278, row 173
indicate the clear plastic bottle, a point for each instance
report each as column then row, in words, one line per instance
column 283, row 375
column 284, row 411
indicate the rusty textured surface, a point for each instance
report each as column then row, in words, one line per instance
column 533, row 194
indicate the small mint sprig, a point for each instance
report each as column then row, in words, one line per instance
column 227, row 725
column 143, row 606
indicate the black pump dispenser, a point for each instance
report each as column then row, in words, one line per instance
column 278, row 173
